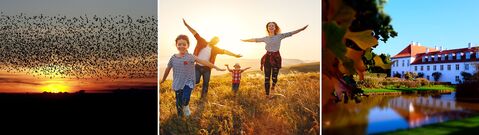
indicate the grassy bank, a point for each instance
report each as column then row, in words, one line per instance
column 458, row 127
column 406, row 89
column 294, row 108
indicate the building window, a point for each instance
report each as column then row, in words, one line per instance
column 451, row 56
column 402, row 63
column 458, row 56
column 448, row 67
column 457, row 79
column 442, row 67
column 466, row 66
column 415, row 68
column 427, row 68
column 443, row 57
column 468, row 55
column 408, row 63
column 436, row 57
column 397, row 63
column 427, row 77
column 422, row 68
column 434, row 67
column 457, row 66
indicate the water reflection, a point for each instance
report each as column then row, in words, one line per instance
column 388, row 113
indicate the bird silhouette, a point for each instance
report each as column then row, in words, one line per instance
column 75, row 47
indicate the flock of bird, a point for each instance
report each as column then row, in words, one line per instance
column 86, row 46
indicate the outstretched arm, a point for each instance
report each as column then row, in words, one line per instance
column 207, row 63
column 299, row 30
column 251, row 40
column 193, row 31
column 245, row 69
column 232, row 54
column 167, row 71
column 228, row 68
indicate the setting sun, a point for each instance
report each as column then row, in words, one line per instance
column 55, row 87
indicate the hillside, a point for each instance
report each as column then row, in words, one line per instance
column 289, row 65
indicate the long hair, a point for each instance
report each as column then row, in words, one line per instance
column 277, row 29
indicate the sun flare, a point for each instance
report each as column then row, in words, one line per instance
column 55, row 87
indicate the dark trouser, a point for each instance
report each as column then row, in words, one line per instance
column 182, row 99
column 270, row 72
column 206, row 73
column 235, row 87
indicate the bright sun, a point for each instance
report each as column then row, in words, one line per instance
column 55, row 87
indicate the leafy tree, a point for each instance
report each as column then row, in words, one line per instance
column 420, row 75
column 466, row 76
column 351, row 28
column 436, row 76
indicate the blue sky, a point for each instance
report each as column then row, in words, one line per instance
column 451, row 24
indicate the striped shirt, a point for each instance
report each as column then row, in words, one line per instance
column 183, row 71
column 273, row 42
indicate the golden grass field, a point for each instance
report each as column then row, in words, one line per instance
column 294, row 108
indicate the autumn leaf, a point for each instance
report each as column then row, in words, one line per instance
column 368, row 54
column 379, row 62
column 334, row 39
column 363, row 39
column 356, row 57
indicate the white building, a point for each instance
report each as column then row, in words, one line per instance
column 450, row 63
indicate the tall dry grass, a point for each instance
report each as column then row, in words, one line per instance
column 294, row 108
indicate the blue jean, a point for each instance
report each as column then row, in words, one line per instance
column 206, row 73
column 235, row 87
column 182, row 99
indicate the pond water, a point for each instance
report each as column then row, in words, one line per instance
column 377, row 114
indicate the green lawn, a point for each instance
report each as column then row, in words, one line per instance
column 458, row 127
column 404, row 89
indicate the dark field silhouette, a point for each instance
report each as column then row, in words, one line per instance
column 114, row 112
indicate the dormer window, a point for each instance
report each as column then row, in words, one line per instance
column 477, row 55
column 443, row 57
column 458, row 56
column 436, row 57
column 423, row 58
column 468, row 55
column 451, row 55
column 430, row 58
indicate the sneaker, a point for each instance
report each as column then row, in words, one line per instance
column 186, row 110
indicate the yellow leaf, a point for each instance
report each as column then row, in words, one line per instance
column 363, row 39
column 356, row 57
column 379, row 62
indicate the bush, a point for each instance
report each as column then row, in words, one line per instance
column 371, row 82
column 397, row 75
column 423, row 81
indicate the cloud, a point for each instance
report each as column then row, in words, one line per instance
column 17, row 81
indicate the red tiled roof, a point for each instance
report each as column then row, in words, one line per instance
column 473, row 51
column 411, row 50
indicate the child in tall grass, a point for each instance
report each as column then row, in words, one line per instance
column 236, row 74
column 183, row 65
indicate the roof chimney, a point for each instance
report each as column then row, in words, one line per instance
column 427, row 50
column 418, row 44
column 469, row 45
column 412, row 43
column 440, row 48
column 435, row 47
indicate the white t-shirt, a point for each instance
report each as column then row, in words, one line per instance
column 205, row 54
